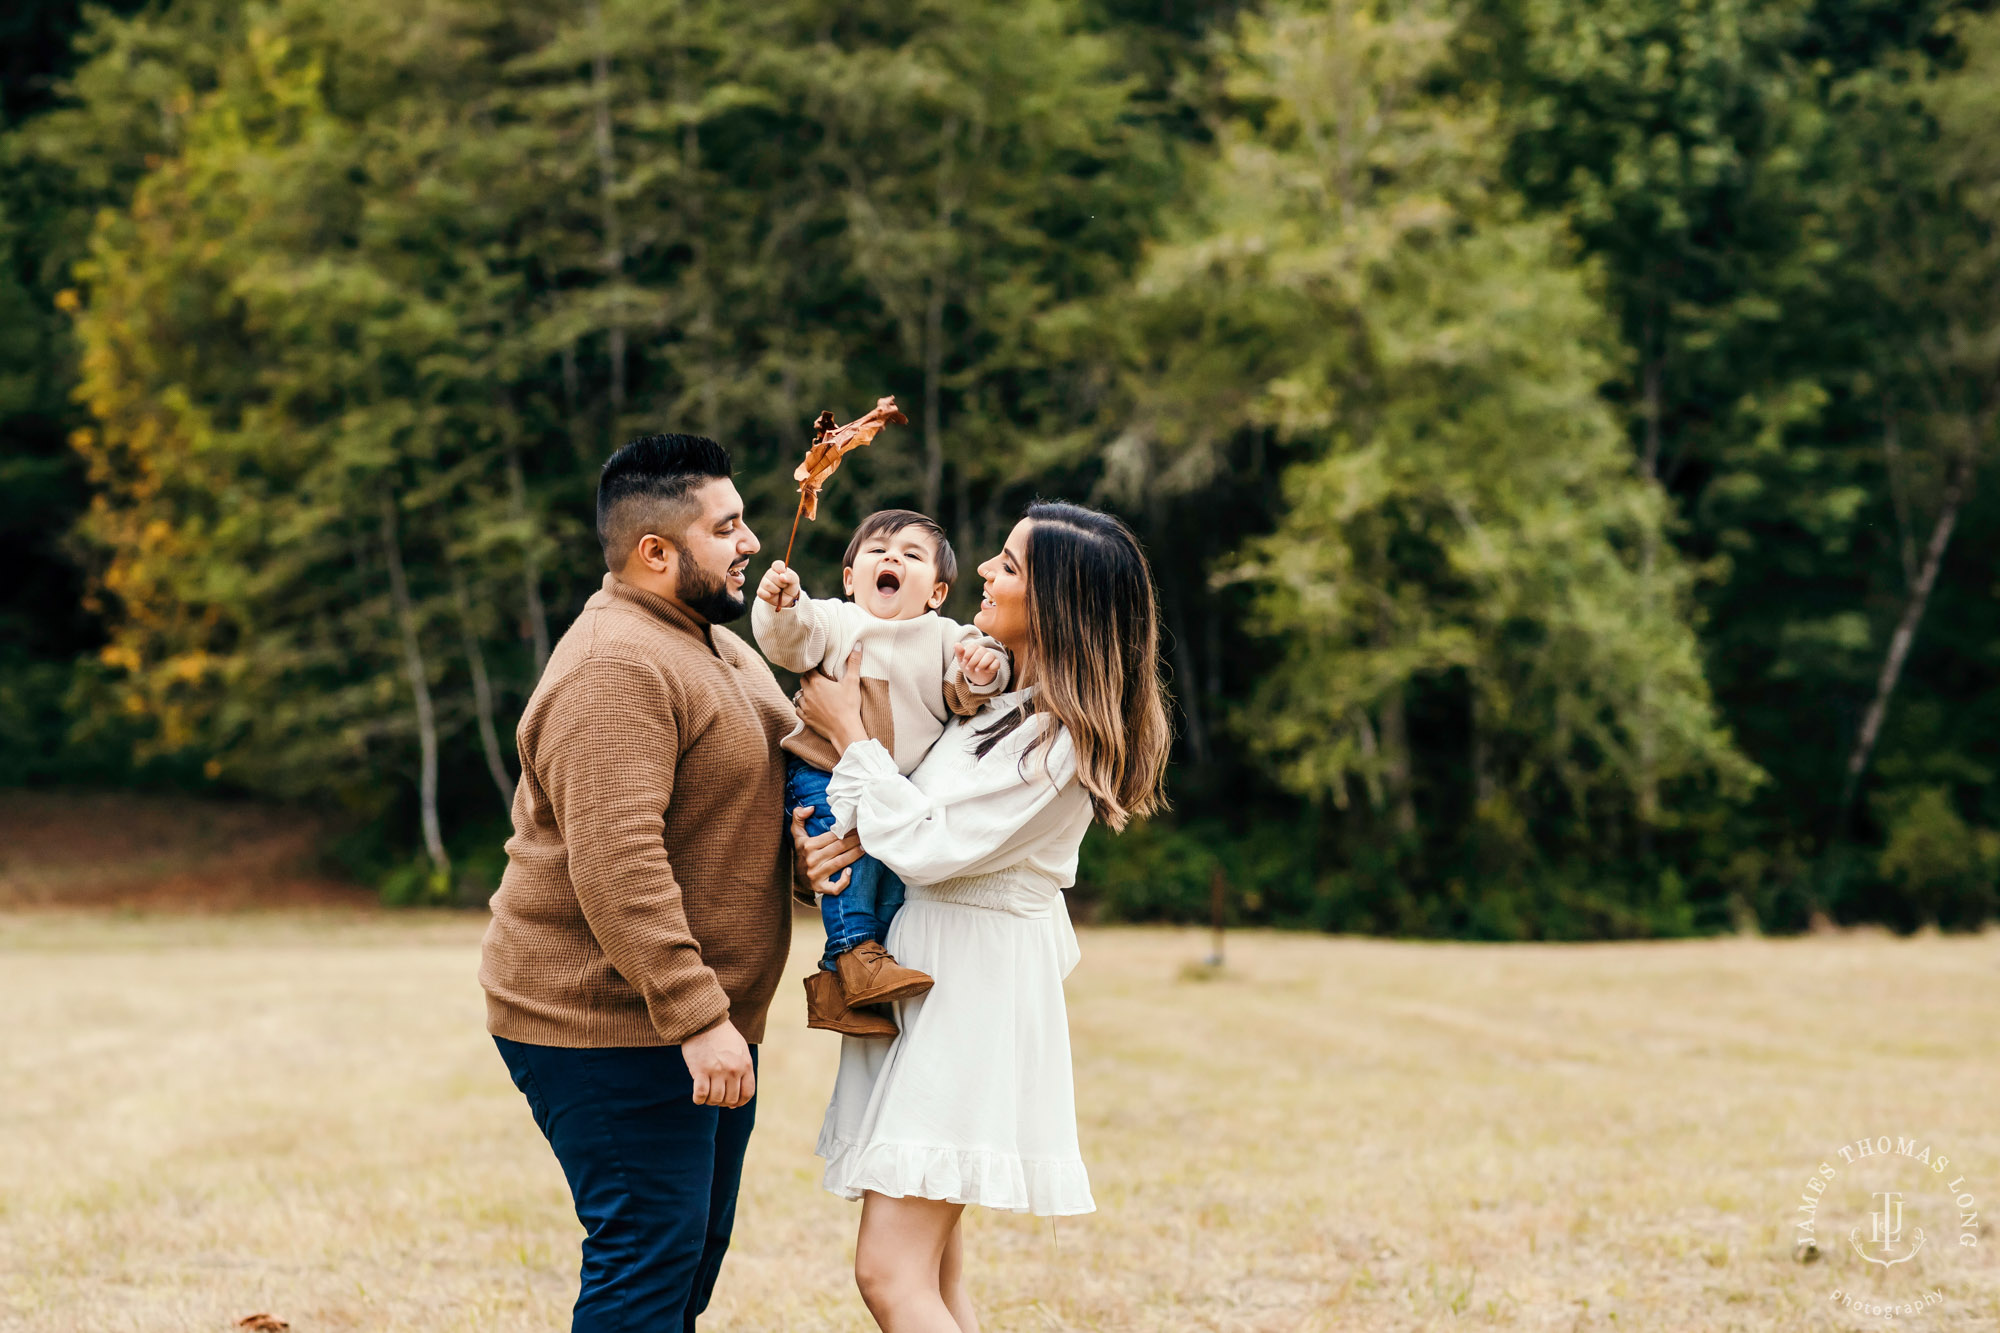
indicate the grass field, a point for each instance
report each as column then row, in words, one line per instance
column 205, row 1116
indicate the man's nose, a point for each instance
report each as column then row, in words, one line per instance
column 749, row 544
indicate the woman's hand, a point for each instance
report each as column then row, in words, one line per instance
column 822, row 854
column 833, row 707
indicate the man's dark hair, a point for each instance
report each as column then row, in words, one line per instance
column 895, row 520
column 645, row 488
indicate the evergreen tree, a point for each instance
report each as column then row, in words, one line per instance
column 1462, row 515
column 1456, row 365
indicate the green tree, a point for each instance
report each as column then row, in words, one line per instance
column 1367, row 291
column 290, row 345
column 1728, row 166
column 1922, row 199
column 367, row 328
column 46, row 201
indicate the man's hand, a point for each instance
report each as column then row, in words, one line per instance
column 779, row 586
column 980, row 663
column 822, row 854
column 719, row 1059
column 833, row 707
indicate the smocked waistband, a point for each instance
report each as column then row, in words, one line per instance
column 1010, row 891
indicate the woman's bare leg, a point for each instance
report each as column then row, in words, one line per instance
column 951, row 1279
column 899, row 1262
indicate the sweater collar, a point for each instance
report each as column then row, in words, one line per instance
column 673, row 616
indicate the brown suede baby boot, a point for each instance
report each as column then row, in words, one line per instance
column 827, row 1008
column 868, row 975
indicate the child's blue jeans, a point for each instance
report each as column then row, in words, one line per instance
column 863, row 910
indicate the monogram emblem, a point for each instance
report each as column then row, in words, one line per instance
column 1886, row 1232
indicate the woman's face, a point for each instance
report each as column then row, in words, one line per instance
column 1003, row 608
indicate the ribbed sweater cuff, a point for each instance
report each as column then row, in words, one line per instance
column 678, row 1022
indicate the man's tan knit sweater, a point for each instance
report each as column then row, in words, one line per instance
column 648, row 880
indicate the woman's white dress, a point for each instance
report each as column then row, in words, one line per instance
column 972, row 1101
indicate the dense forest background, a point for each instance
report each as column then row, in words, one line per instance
column 1564, row 429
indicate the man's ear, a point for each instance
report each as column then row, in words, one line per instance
column 655, row 553
column 938, row 594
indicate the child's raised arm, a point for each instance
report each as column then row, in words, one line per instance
column 790, row 628
column 779, row 586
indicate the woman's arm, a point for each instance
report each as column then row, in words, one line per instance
column 986, row 827
column 984, row 824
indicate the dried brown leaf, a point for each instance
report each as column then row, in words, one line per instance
column 832, row 443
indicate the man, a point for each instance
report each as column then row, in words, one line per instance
column 642, row 924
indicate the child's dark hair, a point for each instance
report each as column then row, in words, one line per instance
column 895, row 520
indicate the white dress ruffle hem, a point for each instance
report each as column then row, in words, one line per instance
column 973, row 1102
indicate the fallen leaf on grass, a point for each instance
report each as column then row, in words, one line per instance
column 263, row 1323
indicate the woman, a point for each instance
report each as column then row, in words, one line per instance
column 972, row 1101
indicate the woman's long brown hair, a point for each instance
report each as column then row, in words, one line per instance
column 1094, row 637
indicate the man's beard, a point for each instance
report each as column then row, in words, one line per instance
column 706, row 595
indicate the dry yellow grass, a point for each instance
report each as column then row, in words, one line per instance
column 204, row 1117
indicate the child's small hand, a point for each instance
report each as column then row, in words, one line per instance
column 980, row 663
column 779, row 586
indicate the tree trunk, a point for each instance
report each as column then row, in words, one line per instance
column 1392, row 725
column 531, row 567
column 572, row 389
column 1648, row 746
column 1218, row 911
column 1371, row 776
column 1956, row 485
column 706, row 328
column 1395, row 738
column 1892, row 462
column 1189, row 693
column 1647, row 778
column 580, row 444
column 933, row 394
column 607, row 181
column 961, row 479
column 934, row 294
column 1649, row 381
column 482, row 693
column 1480, row 754
column 1211, row 632
column 420, row 689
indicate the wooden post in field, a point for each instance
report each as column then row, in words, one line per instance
column 1218, row 901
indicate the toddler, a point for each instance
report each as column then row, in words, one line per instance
column 918, row 669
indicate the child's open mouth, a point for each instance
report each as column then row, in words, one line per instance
column 888, row 583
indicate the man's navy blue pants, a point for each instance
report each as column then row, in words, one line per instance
column 654, row 1177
